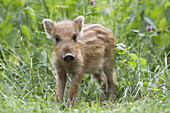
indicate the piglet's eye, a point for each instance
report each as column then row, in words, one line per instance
column 75, row 37
column 57, row 38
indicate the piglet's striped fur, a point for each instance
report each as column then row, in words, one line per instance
column 81, row 49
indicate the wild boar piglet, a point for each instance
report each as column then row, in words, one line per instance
column 82, row 49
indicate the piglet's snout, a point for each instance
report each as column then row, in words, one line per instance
column 68, row 57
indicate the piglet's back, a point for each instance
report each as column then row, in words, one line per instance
column 93, row 32
column 99, row 45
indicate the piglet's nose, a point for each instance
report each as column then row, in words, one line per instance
column 68, row 57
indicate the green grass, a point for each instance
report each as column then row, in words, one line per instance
column 142, row 58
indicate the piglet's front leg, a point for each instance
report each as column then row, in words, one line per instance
column 61, row 83
column 74, row 89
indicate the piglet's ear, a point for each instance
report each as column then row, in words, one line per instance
column 48, row 26
column 78, row 23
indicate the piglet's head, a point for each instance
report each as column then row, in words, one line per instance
column 66, row 35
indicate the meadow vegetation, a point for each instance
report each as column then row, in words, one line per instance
column 142, row 55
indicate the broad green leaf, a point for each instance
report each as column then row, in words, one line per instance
column 142, row 62
column 133, row 62
column 1, row 13
column 26, row 31
column 162, row 23
column 145, row 83
column 133, row 56
column 5, row 27
column 164, row 40
column 132, row 18
column 32, row 16
column 12, row 37
column 167, row 14
column 150, row 21
column 7, row 19
column 5, row 30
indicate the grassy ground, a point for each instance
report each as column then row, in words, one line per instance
column 142, row 57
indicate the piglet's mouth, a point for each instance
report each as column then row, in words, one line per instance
column 68, row 57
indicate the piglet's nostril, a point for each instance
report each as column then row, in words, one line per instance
column 68, row 57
